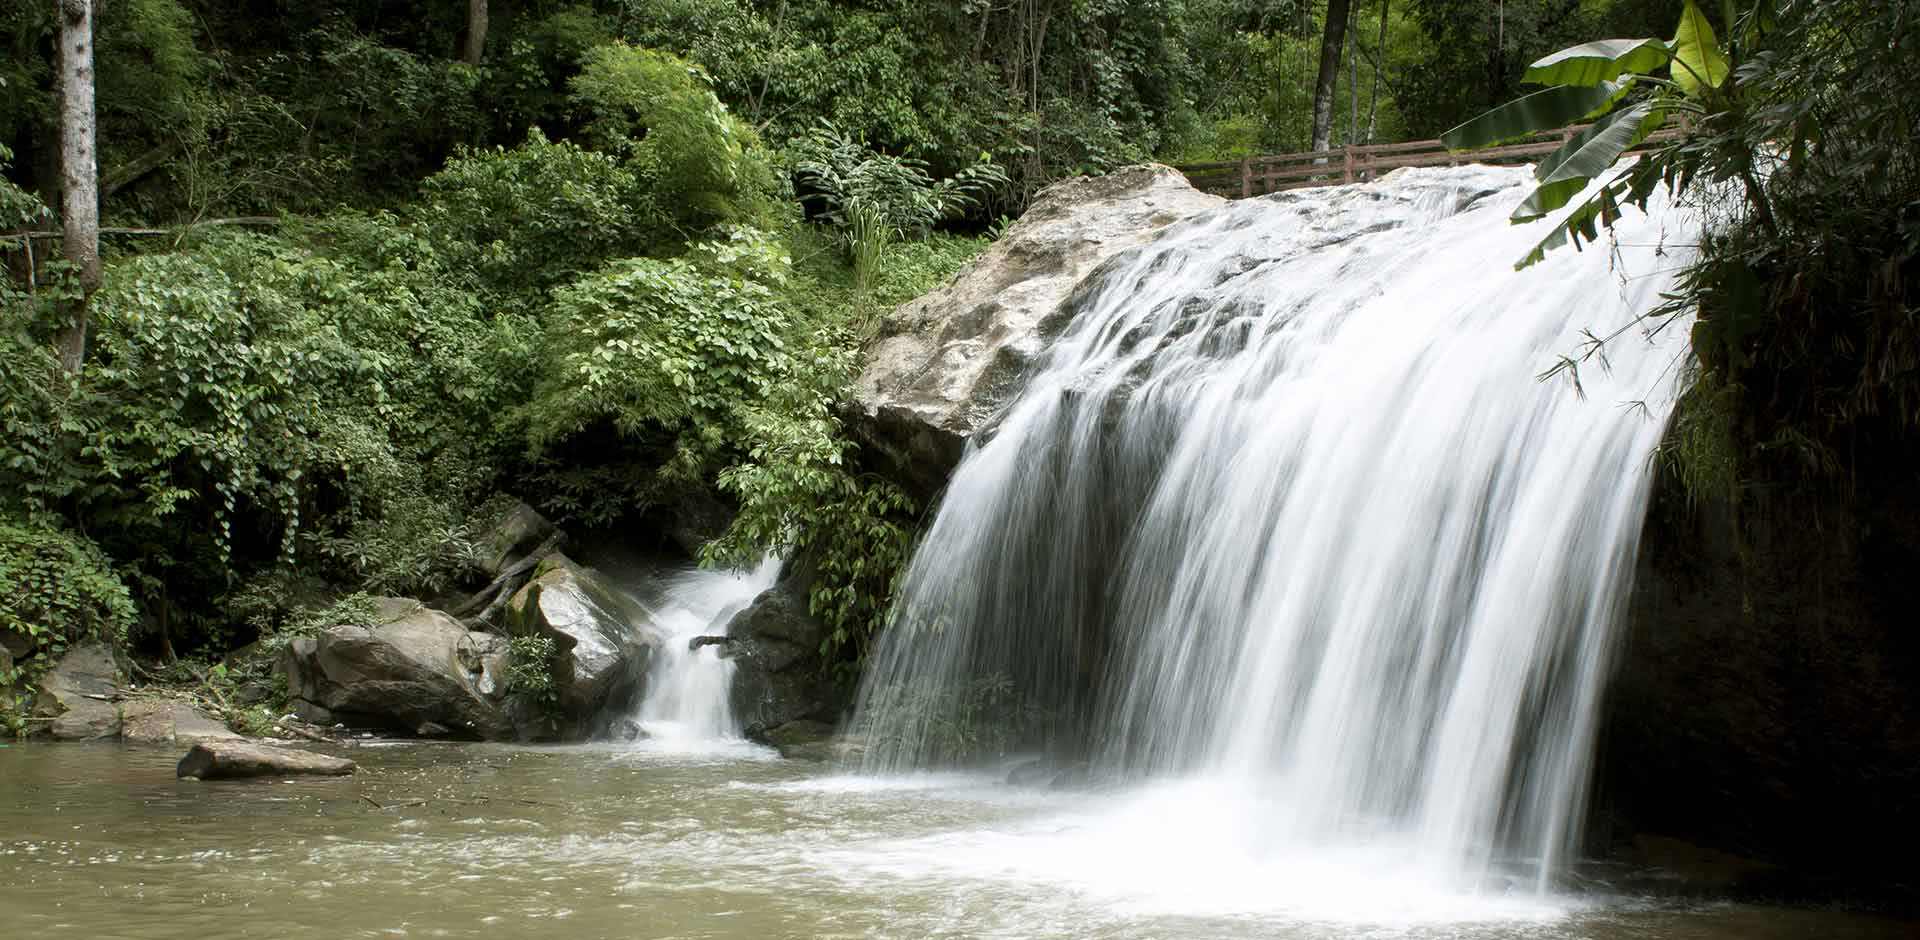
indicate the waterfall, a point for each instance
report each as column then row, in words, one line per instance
column 1288, row 511
column 687, row 689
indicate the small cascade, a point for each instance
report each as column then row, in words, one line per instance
column 687, row 688
column 1286, row 515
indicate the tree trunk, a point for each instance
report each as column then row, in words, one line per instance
column 476, row 31
column 79, row 176
column 1353, row 85
column 1379, row 65
column 1332, row 40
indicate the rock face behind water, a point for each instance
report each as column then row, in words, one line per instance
column 417, row 667
column 944, row 363
column 218, row 760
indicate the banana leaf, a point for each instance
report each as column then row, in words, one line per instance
column 1544, row 110
column 1596, row 62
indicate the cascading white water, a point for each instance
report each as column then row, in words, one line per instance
column 1286, row 511
column 687, row 689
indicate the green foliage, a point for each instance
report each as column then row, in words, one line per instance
column 61, row 590
column 656, row 110
column 690, row 345
column 1802, row 148
column 1630, row 110
column 874, row 199
column 530, row 668
column 797, row 493
column 529, row 218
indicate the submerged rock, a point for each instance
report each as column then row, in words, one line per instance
column 418, row 666
column 604, row 638
column 944, row 363
column 803, row 739
column 234, row 759
column 80, row 694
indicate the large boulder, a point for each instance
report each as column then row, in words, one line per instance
column 416, row 671
column 80, row 694
column 218, row 760
column 942, row 365
column 604, row 638
column 778, row 677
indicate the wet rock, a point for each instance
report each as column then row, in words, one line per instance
column 79, row 694
column 944, row 363
column 517, row 535
column 776, row 650
column 1767, row 698
column 604, row 638
column 802, row 740
column 416, row 666
column 1050, row 773
column 626, row 729
column 700, row 641
column 164, row 721
column 218, row 760
column 694, row 517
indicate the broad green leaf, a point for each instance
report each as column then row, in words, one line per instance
column 1584, row 157
column 1582, row 224
column 1698, row 63
column 1543, row 110
column 1596, row 62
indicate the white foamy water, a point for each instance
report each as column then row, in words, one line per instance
column 1285, row 522
column 687, row 702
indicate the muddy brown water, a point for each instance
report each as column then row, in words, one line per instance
column 431, row 840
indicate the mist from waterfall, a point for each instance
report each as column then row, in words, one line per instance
column 1286, row 518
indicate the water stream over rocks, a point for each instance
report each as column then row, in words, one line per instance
column 1284, row 517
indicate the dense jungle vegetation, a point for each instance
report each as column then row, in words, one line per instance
column 371, row 268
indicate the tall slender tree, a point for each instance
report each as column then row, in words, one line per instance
column 476, row 32
column 79, row 176
column 1333, row 40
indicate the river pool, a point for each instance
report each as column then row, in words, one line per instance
column 464, row 840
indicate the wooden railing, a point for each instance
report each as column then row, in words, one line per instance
column 1258, row 176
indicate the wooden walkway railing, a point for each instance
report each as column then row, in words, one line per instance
column 1258, row 176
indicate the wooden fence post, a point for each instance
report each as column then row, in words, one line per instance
column 1246, row 177
column 1349, row 155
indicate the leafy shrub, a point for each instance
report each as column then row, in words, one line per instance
column 898, row 191
column 657, row 110
column 530, row 672
column 534, row 216
column 690, row 345
column 60, row 590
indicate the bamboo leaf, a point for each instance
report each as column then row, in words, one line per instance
column 1698, row 63
column 1543, row 110
column 1596, row 62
